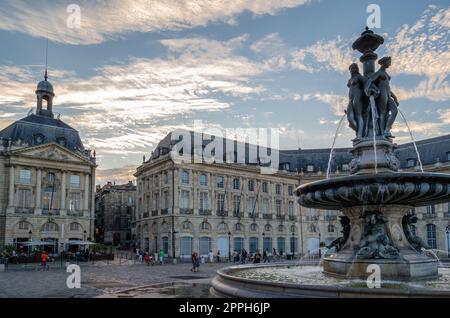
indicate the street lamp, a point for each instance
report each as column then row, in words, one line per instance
column 447, row 231
column 320, row 250
column 229, row 246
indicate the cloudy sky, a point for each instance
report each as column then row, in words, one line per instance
column 132, row 71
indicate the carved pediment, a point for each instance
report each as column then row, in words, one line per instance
column 51, row 152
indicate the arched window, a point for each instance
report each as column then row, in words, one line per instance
column 24, row 225
column 222, row 227
column 268, row 227
column 253, row 227
column 75, row 227
column 50, row 227
column 431, row 236
column 293, row 229
column 205, row 226
column 330, row 228
column 187, row 225
column 280, row 228
column 239, row 227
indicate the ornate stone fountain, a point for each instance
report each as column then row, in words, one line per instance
column 376, row 199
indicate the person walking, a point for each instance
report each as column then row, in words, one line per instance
column 218, row 256
column 266, row 256
column 257, row 257
column 210, row 256
column 44, row 259
column 161, row 256
column 194, row 260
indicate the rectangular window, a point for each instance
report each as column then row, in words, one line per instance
column 25, row 176
column 291, row 208
column 251, row 205
column 24, row 198
column 156, row 181
column 185, row 202
column 166, row 199
column 50, row 199
column 278, row 207
column 203, row 201
column 220, row 182
column 431, row 209
column 278, row 189
column 251, row 185
column 74, row 181
column 265, row 206
column 166, row 178
column 220, row 202
column 203, row 180
column 264, row 187
column 236, row 184
column 238, row 244
column 156, row 202
column 290, row 190
column 253, row 244
column 185, row 177
column 281, row 243
column 236, row 203
column 74, row 202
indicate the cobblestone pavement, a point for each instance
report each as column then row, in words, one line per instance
column 98, row 279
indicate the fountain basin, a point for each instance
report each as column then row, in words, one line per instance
column 300, row 281
column 385, row 188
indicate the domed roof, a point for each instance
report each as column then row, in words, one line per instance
column 45, row 86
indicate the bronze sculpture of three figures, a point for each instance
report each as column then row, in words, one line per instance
column 361, row 89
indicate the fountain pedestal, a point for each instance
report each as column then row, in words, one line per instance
column 364, row 156
column 382, row 243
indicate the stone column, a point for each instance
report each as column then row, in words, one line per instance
column 63, row 211
column 86, row 192
column 38, row 208
column 11, row 190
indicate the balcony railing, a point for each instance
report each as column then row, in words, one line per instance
column 429, row 215
column 312, row 218
column 204, row 212
column 267, row 216
column 154, row 212
column 292, row 218
column 238, row 214
column 330, row 217
column 221, row 213
column 24, row 210
column 56, row 212
column 253, row 215
column 145, row 215
column 281, row 217
column 186, row 211
column 164, row 211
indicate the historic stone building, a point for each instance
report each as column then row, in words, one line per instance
column 218, row 206
column 114, row 211
column 47, row 179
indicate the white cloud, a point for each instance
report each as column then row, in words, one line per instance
column 323, row 55
column 128, row 107
column 104, row 20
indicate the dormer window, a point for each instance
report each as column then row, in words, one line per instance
column 61, row 141
column 411, row 163
column 39, row 139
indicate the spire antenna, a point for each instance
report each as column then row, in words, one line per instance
column 46, row 58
